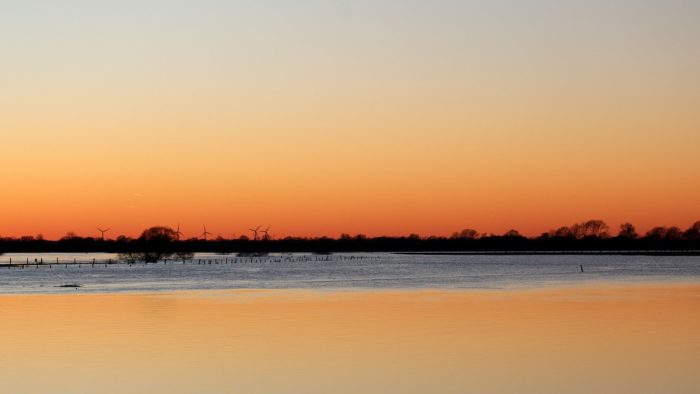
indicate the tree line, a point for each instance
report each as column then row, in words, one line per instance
column 599, row 229
column 591, row 235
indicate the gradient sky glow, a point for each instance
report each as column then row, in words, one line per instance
column 322, row 117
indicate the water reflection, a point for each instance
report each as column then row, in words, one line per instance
column 583, row 339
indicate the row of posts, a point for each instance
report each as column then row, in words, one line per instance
column 282, row 259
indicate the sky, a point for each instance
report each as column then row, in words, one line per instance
column 322, row 117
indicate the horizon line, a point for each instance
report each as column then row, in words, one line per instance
column 595, row 227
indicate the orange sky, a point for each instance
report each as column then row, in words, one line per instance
column 377, row 119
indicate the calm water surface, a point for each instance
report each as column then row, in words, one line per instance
column 339, row 271
column 354, row 324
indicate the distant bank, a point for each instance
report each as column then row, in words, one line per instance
column 483, row 245
column 590, row 237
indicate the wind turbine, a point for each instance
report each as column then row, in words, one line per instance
column 266, row 237
column 205, row 233
column 255, row 231
column 178, row 233
column 103, row 232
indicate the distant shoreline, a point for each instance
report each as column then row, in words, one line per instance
column 377, row 245
column 162, row 242
column 590, row 237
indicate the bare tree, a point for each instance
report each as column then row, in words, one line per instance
column 595, row 228
column 467, row 233
column 577, row 230
column 69, row 236
column 561, row 232
column 627, row 230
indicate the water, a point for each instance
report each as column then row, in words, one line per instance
column 338, row 271
column 627, row 338
column 409, row 324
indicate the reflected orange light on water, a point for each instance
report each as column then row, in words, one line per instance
column 597, row 339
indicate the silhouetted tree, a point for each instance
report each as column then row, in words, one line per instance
column 467, row 233
column 158, row 234
column 577, row 230
column 155, row 243
column 693, row 232
column 591, row 228
column 595, row 228
column 674, row 233
column 656, row 233
column 561, row 232
column 628, row 231
column 512, row 234
column 69, row 236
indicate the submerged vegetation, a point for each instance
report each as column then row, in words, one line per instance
column 158, row 243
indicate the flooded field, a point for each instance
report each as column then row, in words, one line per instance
column 57, row 273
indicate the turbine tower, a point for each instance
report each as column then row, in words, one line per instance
column 255, row 231
column 102, row 232
column 266, row 236
column 178, row 233
column 205, row 233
